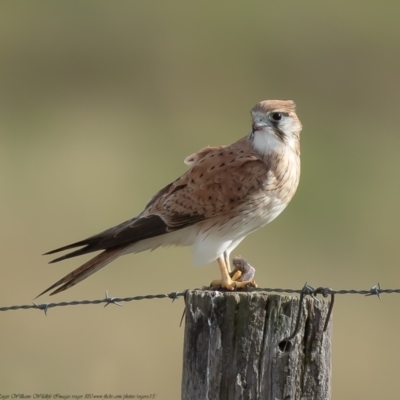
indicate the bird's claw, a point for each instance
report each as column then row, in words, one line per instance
column 240, row 278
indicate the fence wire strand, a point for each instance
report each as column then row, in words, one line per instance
column 306, row 290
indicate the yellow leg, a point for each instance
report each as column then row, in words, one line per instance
column 227, row 263
column 225, row 277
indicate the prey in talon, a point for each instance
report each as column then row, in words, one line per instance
column 226, row 193
column 242, row 275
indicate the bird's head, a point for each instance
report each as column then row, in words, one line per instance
column 275, row 126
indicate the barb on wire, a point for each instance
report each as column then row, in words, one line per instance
column 374, row 291
column 111, row 300
column 43, row 307
column 175, row 295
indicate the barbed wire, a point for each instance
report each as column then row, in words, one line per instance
column 306, row 290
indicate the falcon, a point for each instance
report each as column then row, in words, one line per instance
column 227, row 193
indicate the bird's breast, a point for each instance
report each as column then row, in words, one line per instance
column 282, row 179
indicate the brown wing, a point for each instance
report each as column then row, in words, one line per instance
column 219, row 180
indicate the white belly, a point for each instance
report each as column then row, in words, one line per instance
column 212, row 243
column 210, row 239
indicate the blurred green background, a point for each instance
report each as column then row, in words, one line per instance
column 100, row 102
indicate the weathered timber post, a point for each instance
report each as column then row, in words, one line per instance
column 233, row 348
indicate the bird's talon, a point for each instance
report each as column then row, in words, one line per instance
column 236, row 275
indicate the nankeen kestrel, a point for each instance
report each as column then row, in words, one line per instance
column 227, row 193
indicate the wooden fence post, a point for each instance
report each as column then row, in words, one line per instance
column 233, row 348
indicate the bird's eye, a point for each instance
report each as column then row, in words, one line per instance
column 275, row 117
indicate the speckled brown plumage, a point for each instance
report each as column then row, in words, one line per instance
column 227, row 193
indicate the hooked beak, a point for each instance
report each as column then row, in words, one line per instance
column 258, row 126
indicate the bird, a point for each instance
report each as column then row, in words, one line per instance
column 226, row 193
